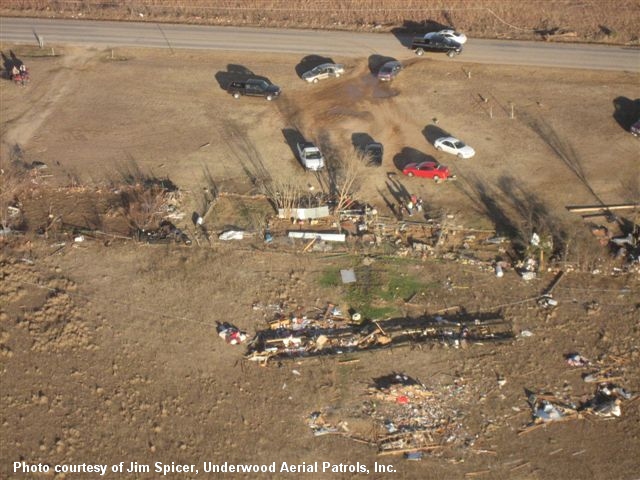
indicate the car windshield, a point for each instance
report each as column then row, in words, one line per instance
column 313, row 155
column 459, row 144
column 390, row 67
column 258, row 83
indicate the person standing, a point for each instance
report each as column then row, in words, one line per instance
column 410, row 206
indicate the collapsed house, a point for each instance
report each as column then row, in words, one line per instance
column 408, row 417
column 301, row 336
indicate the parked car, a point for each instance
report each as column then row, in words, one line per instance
column 635, row 129
column 436, row 43
column 389, row 71
column 326, row 70
column 427, row 170
column 255, row 87
column 374, row 153
column 454, row 146
column 310, row 156
column 457, row 37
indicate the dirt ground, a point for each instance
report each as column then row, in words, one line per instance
column 109, row 351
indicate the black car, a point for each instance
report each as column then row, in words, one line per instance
column 255, row 87
column 374, row 152
column 389, row 71
column 436, row 43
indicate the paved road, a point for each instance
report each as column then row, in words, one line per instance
column 305, row 42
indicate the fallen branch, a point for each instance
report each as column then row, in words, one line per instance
column 477, row 474
column 397, row 451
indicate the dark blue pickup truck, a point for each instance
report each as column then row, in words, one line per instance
column 436, row 43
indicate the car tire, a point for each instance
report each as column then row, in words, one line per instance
column 451, row 53
column 438, row 147
column 236, row 95
column 436, row 178
column 419, row 52
column 315, row 80
column 460, row 155
column 410, row 174
column 269, row 97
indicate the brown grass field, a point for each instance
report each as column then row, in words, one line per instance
column 608, row 21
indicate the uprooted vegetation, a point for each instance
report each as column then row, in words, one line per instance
column 31, row 207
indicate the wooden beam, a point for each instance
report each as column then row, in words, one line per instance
column 554, row 282
column 598, row 208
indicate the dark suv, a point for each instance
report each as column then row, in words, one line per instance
column 255, row 87
column 436, row 43
column 374, row 152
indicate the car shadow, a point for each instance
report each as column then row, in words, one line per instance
column 410, row 155
column 626, row 111
column 235, row 73
column 293, row 136
column 377, row 61
column 9, row 62
column 309, row 62
column 432, row 133
column 360, row 140
column 410, row 29
column 393, row 208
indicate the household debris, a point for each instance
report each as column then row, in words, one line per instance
column 348, row 276
column 605, row 402
column 612, row 369
column 549, row 408
column 576, row 360
column 330, row 333
column 304, row 213
column 231, row 235
column 320, row 426
column 546, row 300
column 408, row 418
column 310, row 235
column 592, row 307
column 621, row 235
column 527, row 269
column 230, row 334
column 167, row 232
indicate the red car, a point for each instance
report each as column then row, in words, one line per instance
column 427, row 170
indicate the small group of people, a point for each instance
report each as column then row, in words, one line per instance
column 19, row 73
column 414, row 203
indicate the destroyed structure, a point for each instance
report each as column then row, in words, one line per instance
column 401, row 415
column 299, row 335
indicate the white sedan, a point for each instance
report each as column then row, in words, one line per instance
column 454, row 146
column 457, row 37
